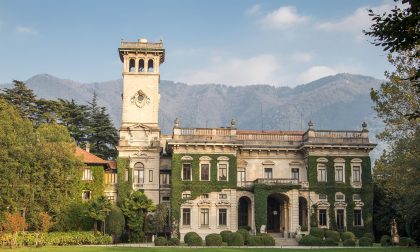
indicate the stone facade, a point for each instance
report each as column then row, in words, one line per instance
column 224, row 178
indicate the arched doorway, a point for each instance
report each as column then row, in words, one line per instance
column 278, row 213
column 303, row 213
column 244, row 212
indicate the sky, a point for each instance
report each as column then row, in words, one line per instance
column 236, row 42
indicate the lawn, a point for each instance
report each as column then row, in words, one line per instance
column 172, row 249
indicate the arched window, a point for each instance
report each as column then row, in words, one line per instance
column 150, row 67
column 138, row 173
column 141, row 65
column 132, row 66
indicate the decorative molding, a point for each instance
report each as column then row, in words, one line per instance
column 322, row 160
column 140, row 99
column 186, row 158
column 356, row 160
column 222, row 158
column 268, row 162
column 205, row 158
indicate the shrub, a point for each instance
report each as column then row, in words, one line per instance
column 247, row 228
column 406, row 242
column 385, row 240
column 332, row 234
column 236, row 239
column 189, row 235
column 365, row 242
column 310, row 240
column 317, row 232
column 195, row 241
column 245, row 235
column 255, row 240
column 348, row 235
column 369, row 235
column 349, row 243
column 161, row 241
column 225, row 235
column 214, row 240
column 329, row 242
column 267, row 240
column 174, row 242
column 115, row 223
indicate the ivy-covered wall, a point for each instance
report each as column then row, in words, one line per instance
column 123, row 187
column 331, row 187
column 96, row 185
column 196, row 186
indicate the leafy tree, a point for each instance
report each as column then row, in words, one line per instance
column 14, row 223
column 98, row 210
column 161, row 217
column 135, row 208
column 115, row 223
column 398, row 31
column 22, row 98
column 45, row 222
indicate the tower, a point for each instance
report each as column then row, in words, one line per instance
column 139, row 132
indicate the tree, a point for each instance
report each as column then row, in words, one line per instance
column 14, row 223
column 98, row 210
column 135, row 208
column 76, row 118
column 22, row 98
column 45, row 222
column 399, row 31
column 161, row 217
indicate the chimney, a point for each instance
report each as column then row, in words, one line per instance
column 87, row 148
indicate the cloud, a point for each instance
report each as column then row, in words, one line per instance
column 260, row 69
column 253, row 9
column 26, row 30
column 315, row 72
column 302, row 57
column 283, row 17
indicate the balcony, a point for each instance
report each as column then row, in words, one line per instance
column 276, row 181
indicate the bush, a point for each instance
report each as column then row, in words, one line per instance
column 161, row 241
column 225, row 235
column 406, row 242
column 195, row 241
column 245, row 235
column 247, row 228
column 189, row 235
column 255, row 240
column 349, row 243
column 369, row 235
column 310, row 240
column 174, row 242
column 115, row 223
column 214, row 240
column 385, row 240
column 348, row 235
column 267, row 240
column 332, row 234
column 329, row 242
column 365, row 242
column 317, row 232
column 236, row 239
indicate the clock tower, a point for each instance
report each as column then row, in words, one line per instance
column 139, row 133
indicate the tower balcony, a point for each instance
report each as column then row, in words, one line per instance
column 273, row 182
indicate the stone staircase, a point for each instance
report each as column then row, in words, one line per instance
column 280, row 241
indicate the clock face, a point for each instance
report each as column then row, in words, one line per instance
column 140, row 99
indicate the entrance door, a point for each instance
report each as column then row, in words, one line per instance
column 273, row 215
column 340, row 219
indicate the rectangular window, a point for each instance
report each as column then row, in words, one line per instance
column 150, row 175
column 222, row 172
column 339, row 197
column 111, row 198
column 204, row 196
column 223, row 217
column 86, row 195
column 138, row 176
column 111, row 178
column 322, row 173
column 223, row 196
column 357, row 215
column 322, row 197
column 241, row 176
column 186, row 172
column 186, row 216
column 268, row 173
column 165, row 198
column 186, row 195
column 322, row 217
column 165, row 179
column 204, row 220
column 356, row 174
column 87, row 174
column 205, row 172
column 340, row 218
column 295, row 173
column 356, row 197
column 339, row 174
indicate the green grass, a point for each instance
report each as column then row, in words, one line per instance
column 172, row 249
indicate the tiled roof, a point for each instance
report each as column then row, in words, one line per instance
column 89, row 158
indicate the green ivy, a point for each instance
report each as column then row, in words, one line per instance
column 331, row 187
column 123, row 187
column 96, row 185
column 196, row 186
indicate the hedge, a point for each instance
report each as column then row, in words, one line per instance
column 225, row 235
column 369, row 235
column 365, row 242
column 386, row 241
column 188, row 236
column 406, row 242
column 195, row 241
column 329, row 242
column 213, row 240
column 161, row 241
column 348, row 235
column 332, row 234
column 267, row 240
column 310, row 240
column 236, row 239
column 255, row 240
column 245, row 235
column 349, row 243
column 174, row 242
column 317, row 232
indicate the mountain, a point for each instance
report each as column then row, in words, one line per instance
column 334, row 102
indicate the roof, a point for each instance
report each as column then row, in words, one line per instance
column 89, row 158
